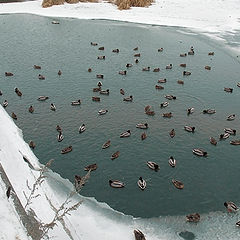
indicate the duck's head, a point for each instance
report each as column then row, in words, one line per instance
column 146, row 125
column 174, row 97
column 140, row 179
column 193, row 128
column 128, row 131
column 110, row 181
column 225, row 204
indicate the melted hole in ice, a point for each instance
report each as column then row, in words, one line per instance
column 187, row 235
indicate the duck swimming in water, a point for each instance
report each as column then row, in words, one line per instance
column 230, row 131
column 146, row 69
column 116, row 184
column 164, row 80
column 143, row 136
column 31, row 109
column 186, row 73
column 230, row 90
column 42, row 98
column 125, row 134
column 104, row 92
column 82, row 128
column 189, row 129
column 102, row 111
column 170, row 97
column 153, row 165
column 142, row 183
column 76, row 102
column 122, row 72
column 14, row 116
column 177, row 184
column 209, row 111
column 190, row 110
column 167, row 115
column 41, row 77
column 142, row 125
column 199, row 152
column 58, row 128
column 115, row 155
column 213, row 141
column 164, row 104
column 172, row 133
column 231, row 117
column 224, row 136
column 106, row 144
column 169, row 66
column 53, row 107
column 5, row 103
column 231, row 207
column 195, row 217
column 172, row 162
column 60, row 137
column 128, row 99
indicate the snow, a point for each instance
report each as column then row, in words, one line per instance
column 90, row 221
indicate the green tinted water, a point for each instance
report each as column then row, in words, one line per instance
column 27, row 40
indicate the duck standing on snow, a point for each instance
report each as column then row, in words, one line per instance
column 142, row 183
column 195, row 217
column 125, row 134
column 139, row 235
column 231, row 207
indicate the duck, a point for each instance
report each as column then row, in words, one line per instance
column 53, row 107
column 135, row 49
column 159, row 87
column 183, row 55
column 230, row 131
column 104, row 92
column 209, row 111
column 235, row 142
column 100, row 83
column 60, row 137
column 128, row 65
column 169, row 66
column 170, row 97
column 189, row 129
column 102, row 111
column 89, row 70
column 14, row 116
column 164, row 104
column 94, row 43
column 116, row 50
column 128, row 99
column 101, row 57
column 5, row 103
column 142, row 125
column 230, row 90
column 183, row 65
column 238, row 224
column 31, row 109
column 101, row 48
column 136, row 61
column 122, row 72
column 150, row 113
column 106, row 144
column 152, row 165
column 8, row 74
column 122, row 91
column 96, row 99
column 98, row 89
column 115, row 155
column 190, row 110
column 91, row 167
column 156, row 70
column 137, row 55
column 191, row 52
column 1, row 93
column 58, row 128
column 59, row 72
column 76, row 102
column 199, row 152
column 172, row 162
column 238, row 84
column 41, row 77
column 42, row 98
column 195, row 217
column 146, row 69
column 141, row 183
column 167, row 115
column 116, row 184
column 139, row 235
column 125, row 134
column 143, row 136
column 55, row 22
column 180, row 82
column 18, row 92
column 186, row 73
column 224, row 136
column 160, row 49
column 147, row 108
column 231, row 117
column 82, row 128
column 211, row 53
column 164, row 80
column 37, row 67
column 32, row 144
column 100, row 76
column 231, row 207
column 177, row 184
column 213, row 141
column 172, row 133
column 66, row 150
column 207, row 67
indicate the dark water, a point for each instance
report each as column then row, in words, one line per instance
column 27, row 40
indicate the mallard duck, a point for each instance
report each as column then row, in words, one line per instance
column 142, row 183
column 164, row 104
column 97, row 89
column 122, row 72
column 136, row 61
column 137, row 55
column 146, row 69
column 128, row 65
column 150, row 113
column 183, row 55
column 82, row 128
column 159, row 87
column 18, row 92
column 152, row 165
column 8, row 74
column 231, row 207
column 164, row 80
column 170, row 97
column 213, row 141
column 186, row 73
column 36, row 67
column 31, row 109
column 191, row 52
column 76, row 102
column 32, row 144
column 55, row 22
column 156, row 70
column 183, row 65
column 104, row 92
column 58, row 128
column 14, row 116
column 230, row 131
column 96, row 99
column 128, row 99
column 66, row 150
column 190, row 110
column 142, row 125
column 42, row 98
column 5, row 103
column 60, row 137
column 195, row 217
column 115, row 155
column 207, row 67
column 238, row 84
column 199, row 152
column 224, row 136
column 231, row 117
column 177, row 184
column 180, row 81
column 89, row 70
column 91, row 167
column 172, row 162
column 211, row 53
column 125, row 134
column 160, row 49
column 135, row 49
column 100, row 83
column 59, row 72
column 101, row 48
column 235, row 142
column 189, row 129
column 139, row 235
column 41, row 77
column 169, row 66
column 143, row 136
column 106, row 144
column 100, row 76
column 94, row 44
column 167, row 115
column 101, row 57
column 116, row 184
column 172, row 133
column 122, row 91
column 102, row 111
column 116, row 50
column 230, row 90
column 53, row 107
column 209, row 111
